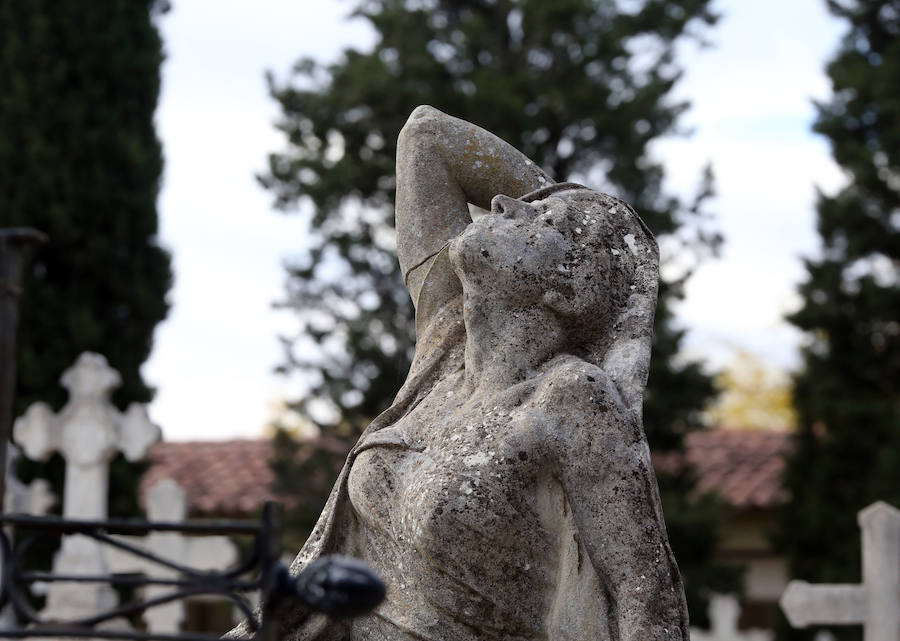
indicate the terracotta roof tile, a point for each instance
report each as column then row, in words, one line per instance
column 232, row 478
column 744, row 467
column 221, row 478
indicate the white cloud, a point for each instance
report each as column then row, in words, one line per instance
column 752, row 114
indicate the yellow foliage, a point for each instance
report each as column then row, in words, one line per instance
column 288, row 419
column 752, row 396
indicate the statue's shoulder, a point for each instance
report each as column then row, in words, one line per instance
column 580, row 403
column 576, row 389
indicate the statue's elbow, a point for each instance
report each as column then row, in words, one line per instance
column 423, row 124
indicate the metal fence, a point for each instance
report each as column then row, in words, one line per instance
column 336, row 586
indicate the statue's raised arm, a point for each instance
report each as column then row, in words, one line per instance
column 444, row 163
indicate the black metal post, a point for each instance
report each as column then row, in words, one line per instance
column 12, row 243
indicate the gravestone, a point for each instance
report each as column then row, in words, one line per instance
column 167, row 501
column 874, row 603
column 35, row 499
column 724, row 612
column 87, row 432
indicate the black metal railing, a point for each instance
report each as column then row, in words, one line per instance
column 337, row 586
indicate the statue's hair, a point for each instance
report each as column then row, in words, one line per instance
column 611, row 279
column 611, row 285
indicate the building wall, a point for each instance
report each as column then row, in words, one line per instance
column 745, row 542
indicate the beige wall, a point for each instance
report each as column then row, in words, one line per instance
column 745, row 542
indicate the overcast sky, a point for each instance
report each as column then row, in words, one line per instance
column 213, row 358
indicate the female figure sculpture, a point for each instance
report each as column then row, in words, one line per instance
column 508, row 493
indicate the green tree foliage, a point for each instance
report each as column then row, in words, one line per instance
column 582, row 87
column 80, row 160
column 304, row 473
column 848, row 394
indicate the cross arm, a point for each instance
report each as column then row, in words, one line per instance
column 823, row 604
column 35, row 431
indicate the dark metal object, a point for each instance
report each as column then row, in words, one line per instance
column 336, row 586
column 340, row 587
column 12, row 243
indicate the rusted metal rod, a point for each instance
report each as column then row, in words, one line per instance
column 13, row 242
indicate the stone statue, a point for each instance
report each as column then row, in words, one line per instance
column 508, row 492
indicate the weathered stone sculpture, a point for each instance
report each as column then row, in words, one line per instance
column 508, row 493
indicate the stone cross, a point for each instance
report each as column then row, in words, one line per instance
column 724, row 612
column 874, row 603
column 88, row 432
column 166, row 501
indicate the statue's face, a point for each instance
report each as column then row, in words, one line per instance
column 523, row 250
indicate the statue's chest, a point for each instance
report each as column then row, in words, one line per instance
column 467, row 477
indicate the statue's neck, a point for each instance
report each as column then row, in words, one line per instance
column 507, row 343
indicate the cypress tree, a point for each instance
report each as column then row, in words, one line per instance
column 80, row 161
column 847, row 449
column 582, row 87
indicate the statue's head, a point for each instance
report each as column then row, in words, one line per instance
column 585, row 256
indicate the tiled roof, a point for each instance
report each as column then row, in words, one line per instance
column 221, row 478
column 744, row 467
column 232, row 478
